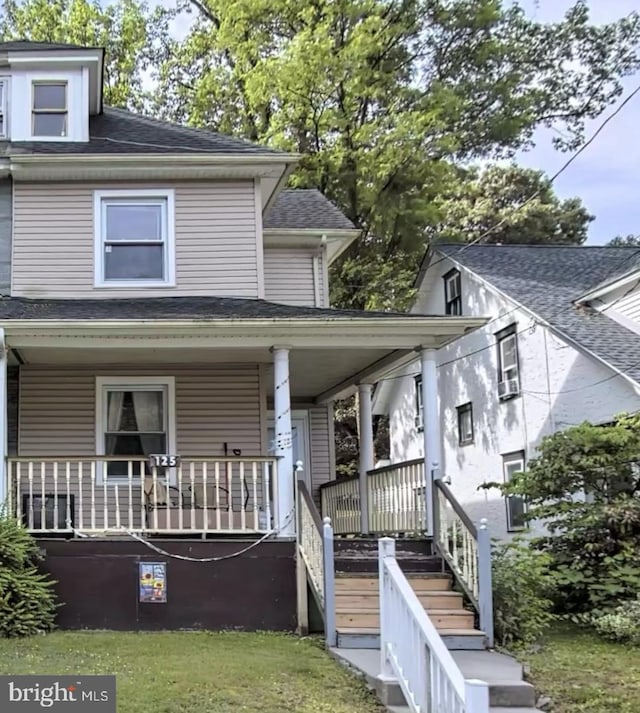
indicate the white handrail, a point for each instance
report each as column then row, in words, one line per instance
column 413, row 652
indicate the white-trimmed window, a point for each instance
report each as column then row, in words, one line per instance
column 465, row 424
column 135, row 417
column 49, row 108
column 4, row 107
column 452, row 293
column 134, row 238
column 508, row 366
column 419, row 419
column 513, row 463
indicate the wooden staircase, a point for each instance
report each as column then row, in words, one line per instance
column 357, row 595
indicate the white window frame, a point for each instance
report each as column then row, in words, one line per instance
column 65, row 111
column 4, row 107
column 419, row 405
column 99, row 199
column 509, row 459
column 462, row 410
column 104, row 384
column 452, row 278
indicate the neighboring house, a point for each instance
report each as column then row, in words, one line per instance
column 561, row 346
column 167, row 348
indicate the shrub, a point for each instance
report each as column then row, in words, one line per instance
column 620, row 624
column 27, row 601
column 521, row 585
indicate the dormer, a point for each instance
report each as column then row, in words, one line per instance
column 48, row 91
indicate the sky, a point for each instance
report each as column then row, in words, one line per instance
column 606, row 176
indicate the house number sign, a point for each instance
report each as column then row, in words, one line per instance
column 163, row 460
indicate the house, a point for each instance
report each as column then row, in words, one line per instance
column 561, row 345
column 168, row 352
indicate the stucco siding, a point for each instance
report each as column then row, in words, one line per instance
column 560, row 386
column 290, row 277
column 215, row 240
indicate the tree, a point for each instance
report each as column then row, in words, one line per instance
column 125, row 28
column 495, row 205
column 625, row 241
column 383, row 96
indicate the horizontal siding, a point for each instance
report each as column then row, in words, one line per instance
column 215, row 234
column 321, row 466
column 289, row 277
column 629, row 306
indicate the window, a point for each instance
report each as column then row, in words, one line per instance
column 465, row 424
column 419, row 419
column 134, row 238
column 508, row 370
column 49, row 109
column 513, row 463
column 4, row 114
column 134, row 418
column 452, row 293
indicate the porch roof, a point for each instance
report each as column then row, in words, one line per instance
column 331, row 350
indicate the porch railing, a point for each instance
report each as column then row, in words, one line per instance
column 467, row 551
column 340, row 501
column 103, row 494
column 412, row 651
column 316, row 560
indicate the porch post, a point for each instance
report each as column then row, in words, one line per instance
column 431, row 432
column 283, row 442
column 3, row 419
column 365, row 427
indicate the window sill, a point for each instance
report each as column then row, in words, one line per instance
column 133, row 285
column 510, row 397
column 462, row 444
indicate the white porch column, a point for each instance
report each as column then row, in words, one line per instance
column 365, row 427
column 285, row 493
column 3, row 419
column 431, row 422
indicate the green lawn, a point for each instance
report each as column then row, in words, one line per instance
column 584, row 674
column 199, row 672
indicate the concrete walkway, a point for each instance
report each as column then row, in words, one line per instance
column 508, row 692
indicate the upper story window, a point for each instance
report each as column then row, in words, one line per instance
column 419, row 419
column 465, row 424
column 508, row 366
column 4, row 107
column 49, row 110
column 134, row 238
column 452, row 293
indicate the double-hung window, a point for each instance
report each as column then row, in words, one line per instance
column 49, row 112
column 513, row 463
column 419, row 418
column 452, row 293
column 134, row 420
column 4, row 104
column 134, row 238
column 508, row 367
column 465, row 424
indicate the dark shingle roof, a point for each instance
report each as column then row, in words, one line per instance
column 28, row 46
column 171, row 308
column 305, row 208
column 117, row 131
column 547, row 280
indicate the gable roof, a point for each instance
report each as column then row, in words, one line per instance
column 547, row 280
column 305, row 208
column 117, row 131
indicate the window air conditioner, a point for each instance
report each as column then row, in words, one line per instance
column 508, row 388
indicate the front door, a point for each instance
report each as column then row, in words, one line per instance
column 299, row 442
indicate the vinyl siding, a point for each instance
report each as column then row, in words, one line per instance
column 215, row 240
column 320, row 433
column 629, row 306
column 289, row 277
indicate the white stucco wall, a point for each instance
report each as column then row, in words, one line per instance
column 558, row 389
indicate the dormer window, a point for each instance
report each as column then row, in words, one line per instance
column 49, row 110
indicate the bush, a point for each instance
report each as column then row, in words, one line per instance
column 27, row 601
column 521, row 585
column 621, row 624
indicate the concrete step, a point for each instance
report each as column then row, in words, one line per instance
column 369, row 638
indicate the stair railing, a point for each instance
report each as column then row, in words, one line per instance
column 412, row 651
column 467, row 551
column 315, row 562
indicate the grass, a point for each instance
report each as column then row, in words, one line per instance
column 176, row 672
column 581, row 673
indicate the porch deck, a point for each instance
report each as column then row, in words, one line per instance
column 112, row 495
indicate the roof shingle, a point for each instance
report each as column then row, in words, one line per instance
column 547, row 279
column 305, row 208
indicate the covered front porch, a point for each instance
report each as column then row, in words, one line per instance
column 191, row 421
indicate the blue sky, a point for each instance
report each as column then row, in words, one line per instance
column 607, row 174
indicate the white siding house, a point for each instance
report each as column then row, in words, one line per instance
column 555, row 369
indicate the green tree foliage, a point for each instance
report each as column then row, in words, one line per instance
column 383, row 96
column 585, row 485
column 126, row 28
column 494, row 205
column 27, row 601
column 624, row 241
